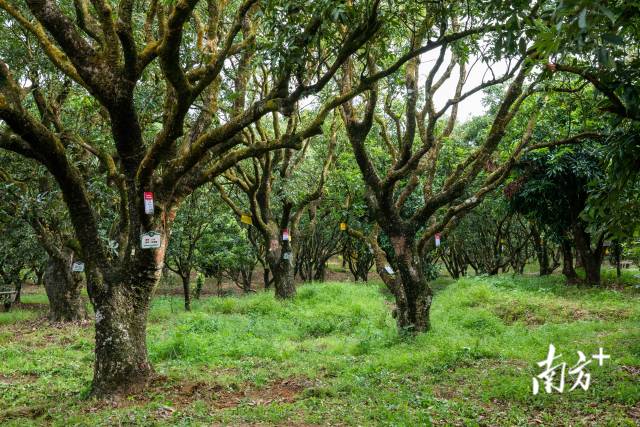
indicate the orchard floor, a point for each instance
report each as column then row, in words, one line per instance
column 333, row 356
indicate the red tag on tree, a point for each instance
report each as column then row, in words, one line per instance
column 148, row 202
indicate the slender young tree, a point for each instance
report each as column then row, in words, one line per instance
column 190, row 226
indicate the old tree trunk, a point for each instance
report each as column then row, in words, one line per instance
column 280, row 258
column 63, row 286
column 568, row 270
column 590, row 254
column 121, row 305
column 412, row 292
column 63, row 289
column 122, row 364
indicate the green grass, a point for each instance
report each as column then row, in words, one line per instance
column 333, row 356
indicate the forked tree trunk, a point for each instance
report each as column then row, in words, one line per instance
column 122, row 365
column 63, row 289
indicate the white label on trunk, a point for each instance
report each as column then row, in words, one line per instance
column 77, row 267
column 388, row 269
column 285, row 234
column 148, row 202
column 437, row 239
column 150, row 240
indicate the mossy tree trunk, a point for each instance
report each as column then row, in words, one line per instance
column 590, row 253
column 63, row 288
column 413, row 293
column 122, row 365
column 121, row 303
column 62, row 285
column 540, row 246
column 280, row 257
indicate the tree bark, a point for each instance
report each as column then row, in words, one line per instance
column 265, row 278
column 578, row 260
column 17, row 299
column 186, row 287
column 199, row 285
column 121, row 303
column 616, row 249
column 412, row 292
column 541, row 252
column 281, row 268
column 591, row 257
column 321, row 271
column 40, row 275
column 219, row 286
column 63, row 289
column 567, row 262
column 122, row 365
column 282, row 271
column 592, row 270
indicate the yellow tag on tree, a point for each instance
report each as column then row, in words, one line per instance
column 246, row 219
column 343, row 226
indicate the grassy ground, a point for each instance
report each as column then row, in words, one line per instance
column 333, row 356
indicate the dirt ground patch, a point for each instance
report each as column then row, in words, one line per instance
column 184, row 393
column 31, row 306
column 534, row 315
column 279, row 391
column 634, row 412
column 17, row 378
column 30, row 412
